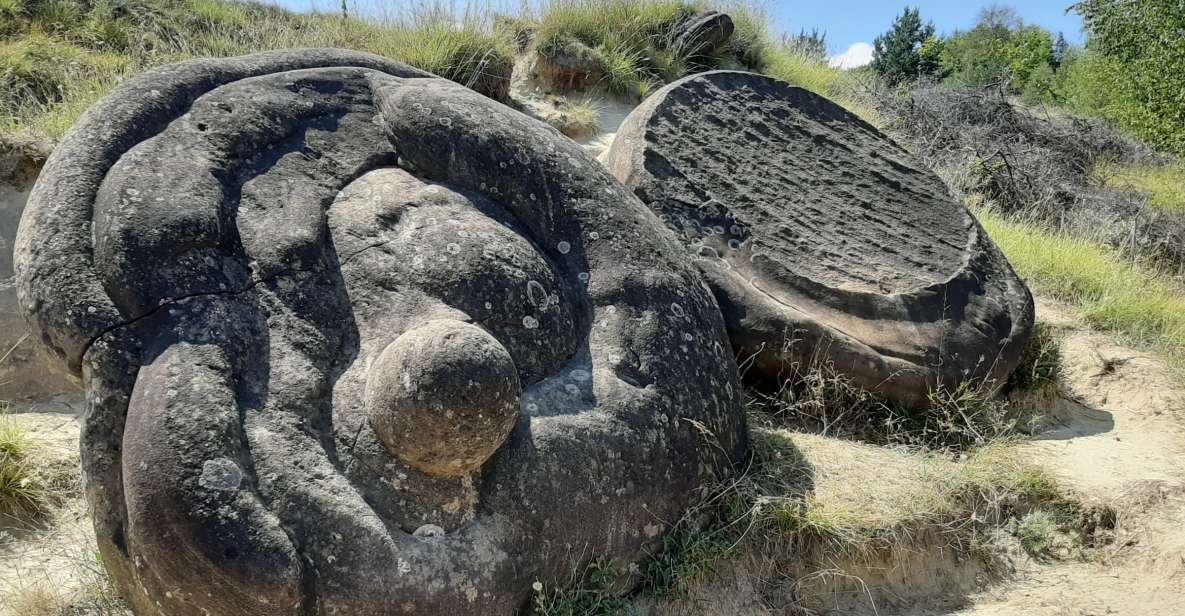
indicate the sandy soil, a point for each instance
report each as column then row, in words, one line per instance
column 1118, row 441
column 57, row 557
column 531, row 98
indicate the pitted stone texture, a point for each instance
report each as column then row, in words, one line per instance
column 228, row 252
column 822, row 238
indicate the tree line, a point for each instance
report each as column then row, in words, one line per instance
column 1131, row 69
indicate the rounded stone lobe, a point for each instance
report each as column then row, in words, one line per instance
column 443, row 397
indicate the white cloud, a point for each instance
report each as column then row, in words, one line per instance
column 859, row 54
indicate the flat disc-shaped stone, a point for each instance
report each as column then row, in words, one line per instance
column 822, row 238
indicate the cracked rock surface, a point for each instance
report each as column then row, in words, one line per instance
column 822, row 238
column 357, row 340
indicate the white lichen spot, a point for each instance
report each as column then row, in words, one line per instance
column 536, row 294
column 530, row 322
column 583, row 276
column 453, row 247
column 403, row 567
column 489, row 306
column 594, row 236
column 677, row 310
column 563, row 247
column 220, row 474
column 446, row 122
column 428, row 532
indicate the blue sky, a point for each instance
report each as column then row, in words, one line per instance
column 853, row 21
column 847, row 22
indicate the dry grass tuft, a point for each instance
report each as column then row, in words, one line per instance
column 574, row 119
column 817, row 398
column 36, row 601
column 25, row 493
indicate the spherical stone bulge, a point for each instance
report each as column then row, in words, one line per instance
column 443, row 397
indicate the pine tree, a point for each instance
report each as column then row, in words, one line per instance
column 896, row 55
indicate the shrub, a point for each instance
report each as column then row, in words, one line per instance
column 1144, row 77
column 1038, row 165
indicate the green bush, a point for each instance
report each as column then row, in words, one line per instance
column 1141, row 81
column 991, row 54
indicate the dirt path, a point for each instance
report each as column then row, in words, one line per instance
column 1119, row 441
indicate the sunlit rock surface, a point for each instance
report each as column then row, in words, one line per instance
column 822, row 239
column 357, row 340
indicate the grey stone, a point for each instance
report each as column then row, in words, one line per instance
column 443, row 397
column 822, row 238
column 243, row 258
column 703, row 33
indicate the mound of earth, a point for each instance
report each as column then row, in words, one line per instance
column 358, row 340
column 25, row 373
column 822, row 238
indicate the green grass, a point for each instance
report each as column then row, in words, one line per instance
column 843, row 87
column 1164, row 185
column 58, row 57
column 589, row 593
column 23, row 493
column 632, row 41
column 1113, row 295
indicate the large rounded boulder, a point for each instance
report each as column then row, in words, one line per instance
column 358, row 340
column 822, row 239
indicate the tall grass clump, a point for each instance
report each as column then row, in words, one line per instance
column 23, row 491
column 628, row 47
column 57, row 57
column 1113, row 293
column 816, row 397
